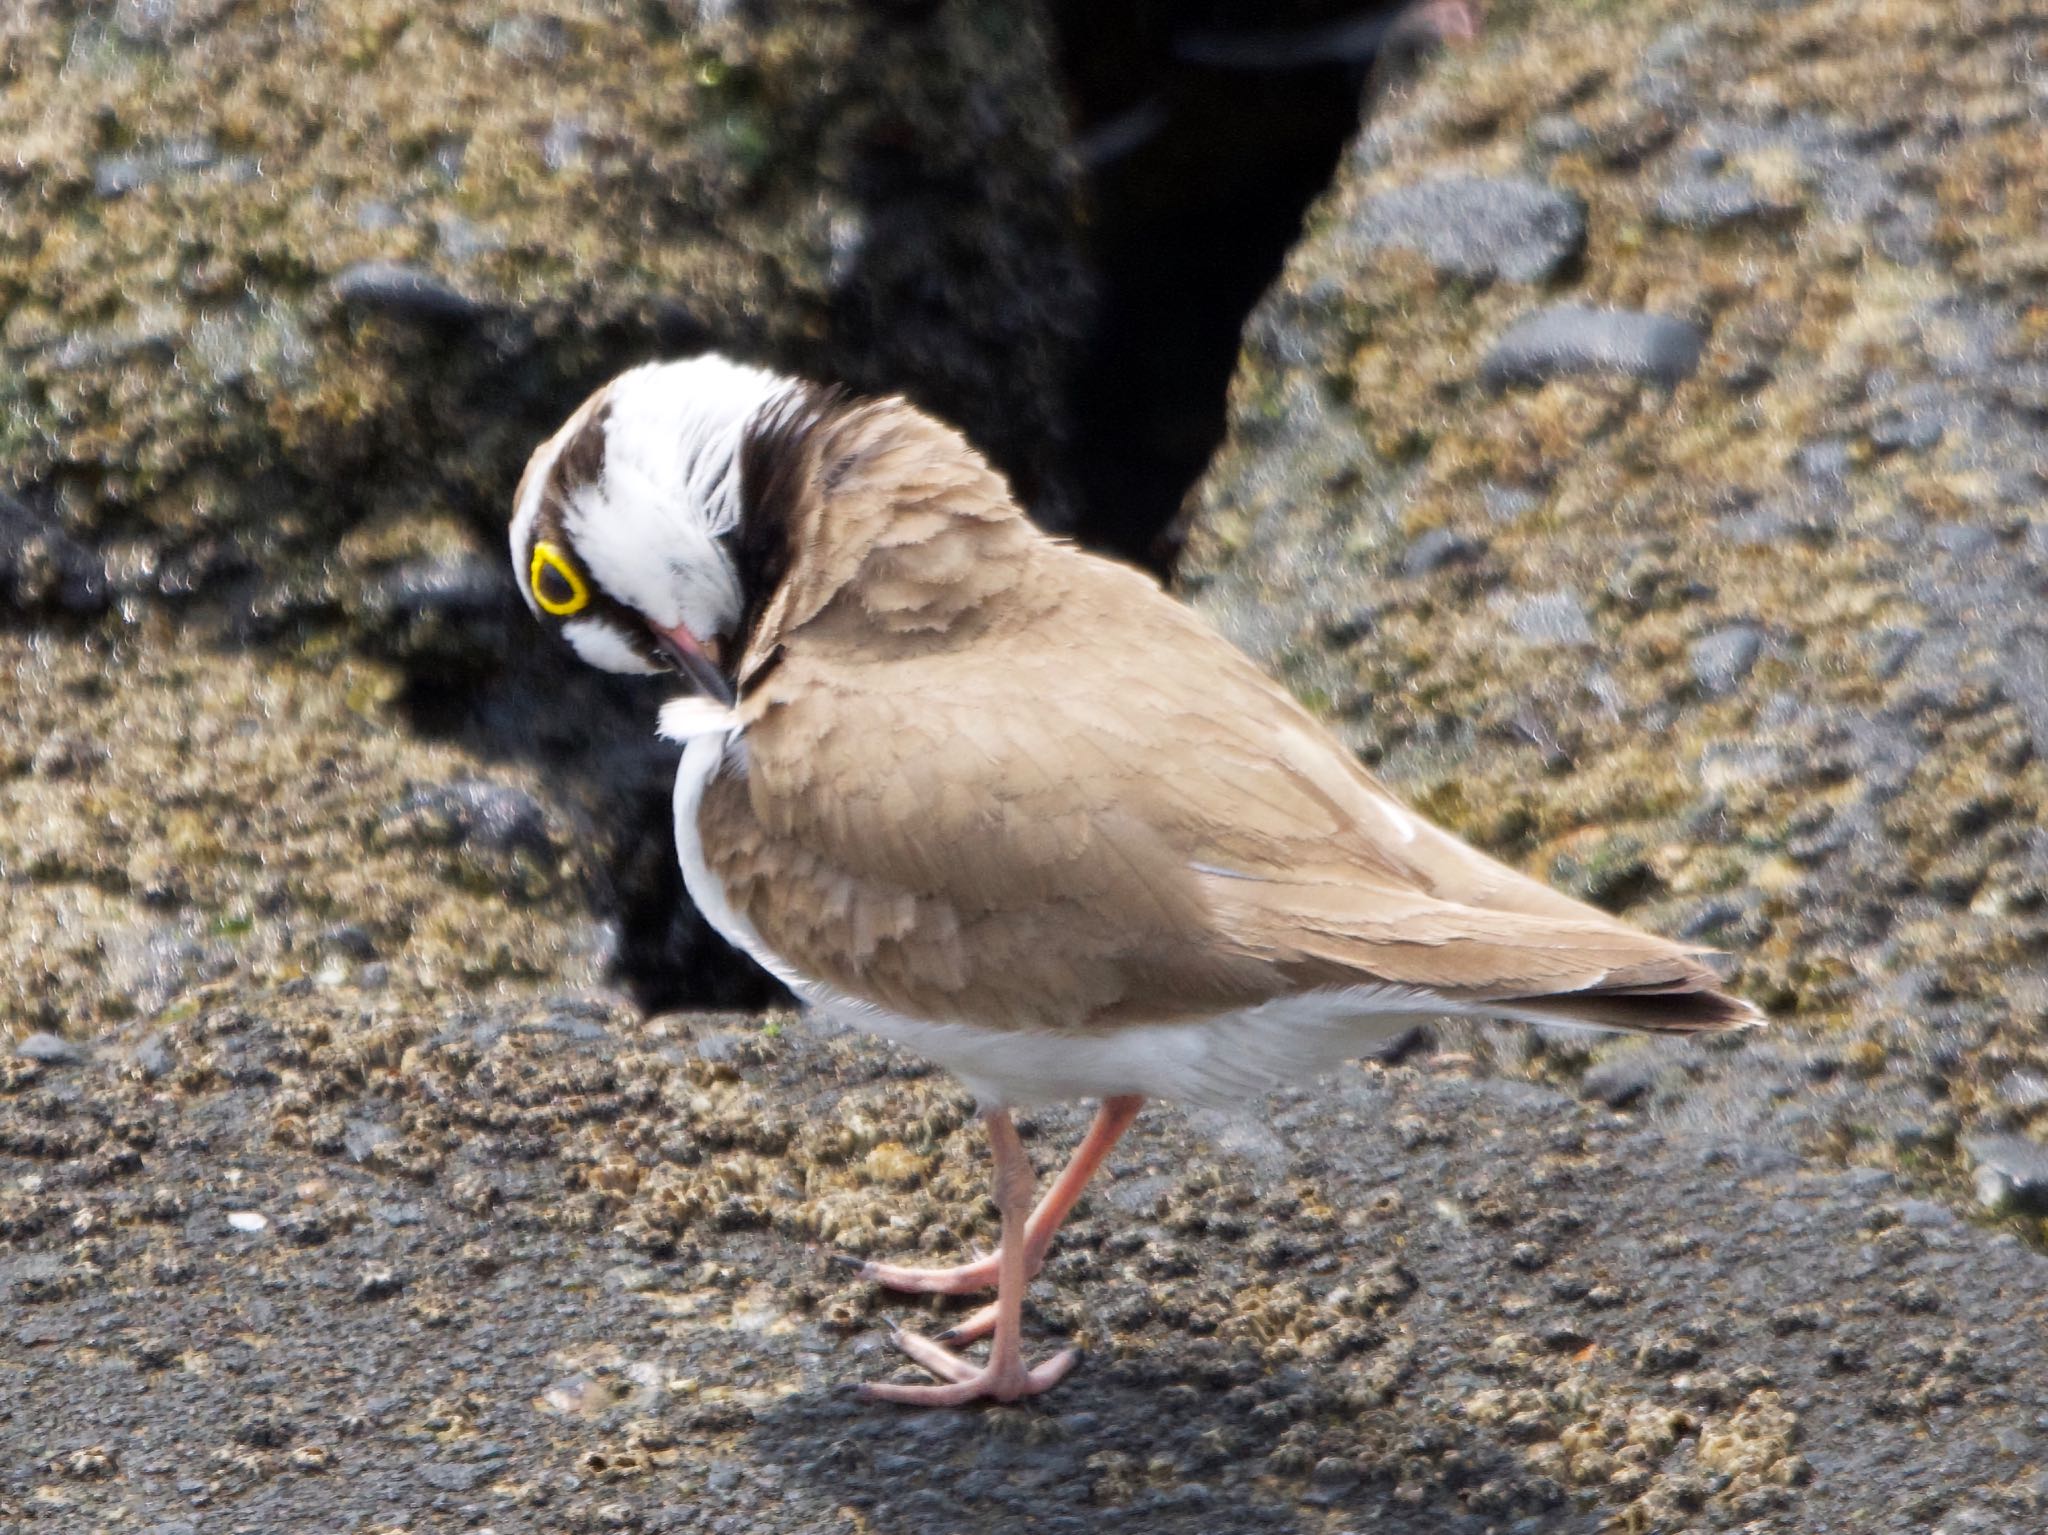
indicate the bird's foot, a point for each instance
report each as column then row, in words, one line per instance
column 960, row 1279
column 965, row 1381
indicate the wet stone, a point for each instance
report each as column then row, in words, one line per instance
column 1479, row 228
column 1569, row 339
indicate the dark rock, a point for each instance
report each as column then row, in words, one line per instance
column 351, row 939
column 404, row 292
column 1570, row 338
column 1722, row 659
column 1478, row 228
column 2011, row 1172
column 43, row 568
column 50, row 1050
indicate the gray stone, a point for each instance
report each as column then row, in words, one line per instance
column 1722, row 659
column 1568, row 339
column 452, row 1477
column 1548, row 618
column 152, row 1056
column 361, row 1138
column 1557, row 134
column 1712, row 202
column 1509, row 503
column 2011, row 1172
column 1906, row 432
column 1622, row 1079
column 1964, row 541
column 1927, row 1214
column 50, row 1050
column 1437, row 548
column 1477, row 227
column 403, row 292
column 2026, row 1091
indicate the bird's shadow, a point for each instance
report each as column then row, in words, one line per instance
column 1135, row 1441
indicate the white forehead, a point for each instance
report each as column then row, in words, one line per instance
column 669, row 486
column 672, row 434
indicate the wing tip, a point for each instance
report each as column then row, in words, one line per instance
column 1706, row 1010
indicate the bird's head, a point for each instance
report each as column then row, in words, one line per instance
column 623, row 530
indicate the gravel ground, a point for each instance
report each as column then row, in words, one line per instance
column 550, row 1267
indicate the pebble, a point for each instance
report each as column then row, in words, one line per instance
column 50, row 1050
column 248, row 1220
column 404, row 292
column 1911, row 432
column 1437, row 548
column 1567, row 339
column 1722, row 659
column 1548, row 618
column 1479, row 228
column 361, row 1138
column 152, row 1056
column 1713, row 202
column 1621, row 1080
column 451, row 1476
column 2011, row 1173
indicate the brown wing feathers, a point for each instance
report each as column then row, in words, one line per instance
column 999, row 781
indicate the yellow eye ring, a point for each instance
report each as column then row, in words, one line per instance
column 550, row 573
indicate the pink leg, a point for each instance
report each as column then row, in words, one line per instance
column 1005, row 1377
column 1111, row 1120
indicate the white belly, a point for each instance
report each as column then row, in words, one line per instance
column 1209, row 1060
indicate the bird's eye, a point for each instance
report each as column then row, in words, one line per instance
column 556, row 585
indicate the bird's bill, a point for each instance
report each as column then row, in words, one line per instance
column 690, row 658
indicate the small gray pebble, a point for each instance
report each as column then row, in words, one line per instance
column 1477, row 227
column 1567, row 339
column 50, row 1050
column 1437, row 548
column 1722, row 659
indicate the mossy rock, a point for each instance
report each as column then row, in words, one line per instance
column 269, row 271
column 1743, row 490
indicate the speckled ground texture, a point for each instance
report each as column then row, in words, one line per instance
column 1641, row 459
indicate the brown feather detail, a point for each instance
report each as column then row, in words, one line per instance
column 996, row 781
